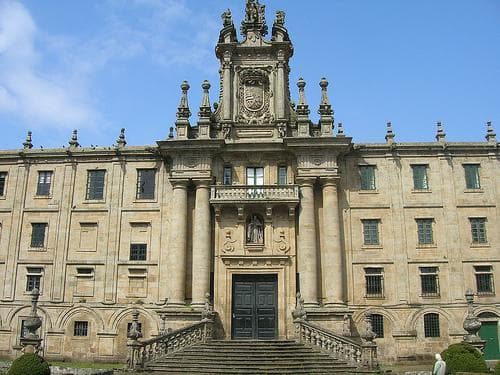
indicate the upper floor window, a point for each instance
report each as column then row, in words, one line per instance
column 138, row 251
column 484, row 280
column 472, row 176
column 282, row 175
column 95, row 184
column 374, row 282
column 377, row 321
column 367, row 176
column 38, row 231
column 370, row 231
column 420, row 179
column 424, row 231
column 146, row 183
column 81, row 328
column 429, row 281
column 3, row 180
column 44, row 182
column 478, row 230
column 255, row 176
column 431, row 325
column 34, row 278
column 228, row 175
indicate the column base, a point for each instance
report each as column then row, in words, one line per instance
column 176, row 304
column 198, row 305
column 311, row 304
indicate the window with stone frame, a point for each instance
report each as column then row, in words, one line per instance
column 95, row 184
column 374, row 281
column 34, row 279
column 431, row 325
column 138, row 251
column 484, row 280
column 3, row 181
column 377, row 321
column 81, row 328
column 478, row 230
column 44, row 183
column 227, row 178
column 371, row 231
column 472, row 180
column 424, row 231
column 146, row 183
column 38, row 234
column 420, row 176
column 282, row 175
column 367, row 177
column 429, row 280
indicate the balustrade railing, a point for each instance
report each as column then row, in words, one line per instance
column 238, row 193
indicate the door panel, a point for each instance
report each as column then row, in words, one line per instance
column 254, row 307
column 489, row 333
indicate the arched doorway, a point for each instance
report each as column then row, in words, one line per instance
column 490, row 332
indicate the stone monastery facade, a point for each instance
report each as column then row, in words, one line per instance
column 251, row 203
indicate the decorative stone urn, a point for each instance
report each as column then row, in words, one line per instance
column 472, row 324
column 31, row 341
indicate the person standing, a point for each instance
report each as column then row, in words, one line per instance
column 439, row 366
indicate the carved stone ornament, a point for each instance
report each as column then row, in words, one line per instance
column 228, row 246
column 254, row 96
column 281, row 243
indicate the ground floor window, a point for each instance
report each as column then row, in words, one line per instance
column 431, row 325
column 378, row 325
column 81, row 328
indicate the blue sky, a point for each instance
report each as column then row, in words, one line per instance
column 98, row 66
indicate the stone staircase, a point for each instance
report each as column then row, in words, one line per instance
column 250, row 357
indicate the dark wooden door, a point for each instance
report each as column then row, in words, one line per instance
column 254, row 307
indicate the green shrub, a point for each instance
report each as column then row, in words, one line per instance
column 29, row 364
column 463, row 357
column 497, row 368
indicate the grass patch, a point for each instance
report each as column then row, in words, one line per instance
column 92, row 365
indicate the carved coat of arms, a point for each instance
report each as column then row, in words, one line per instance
column 254, row 96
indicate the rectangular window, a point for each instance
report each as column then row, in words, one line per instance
column 370, row 232
column 33, row 278
column 429, row 281
column 138, row 251
column 420, row 180
column 472, row 176
column 255, row 176
column 3, row 180
column 424, row 229
column 95, row 184
column 228, row 175
column 81, row 328
column 431, row 325
column 374, row 282
column 377, row 325
column 44, row 181
column 478, row 230
column 146, row 183
column 367, row 175
column 484, row 280
column 282, row 175
column 38, row 231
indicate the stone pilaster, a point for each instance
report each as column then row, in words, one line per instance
column 201, row 243
column 332, row 261
column 176, row 252
column 307, row 253
column 226, row 84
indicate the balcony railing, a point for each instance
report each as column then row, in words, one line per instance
column 251, row 193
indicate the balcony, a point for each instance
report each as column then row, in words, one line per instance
column 254, row 194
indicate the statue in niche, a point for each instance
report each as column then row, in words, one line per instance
column 228, row 246
column 255, row 230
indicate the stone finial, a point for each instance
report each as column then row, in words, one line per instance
column 440, row 134
column 490, row 133
column 31, row 341
column 340, row 130
column 163, row 326
column 121, row 141
column 299, row 313
column 472, row 324
column 134, row 333
column 208, row 312
column 227, row 18
column 205, row 108
column 255, row 18
column 367, row 333
column 389, row 135
column 171, row 133
column 28, row 144
column 302, row 106
column 280, row 18
column 73, row 142
column 183, row 111
column 324, row 107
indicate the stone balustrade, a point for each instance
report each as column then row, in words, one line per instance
column 251, row 193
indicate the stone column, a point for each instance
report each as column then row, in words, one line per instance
column 280, row 87
column 201, row 243
column 226, row 86
column 176, row 251
column 307, row 257
column 331, row 254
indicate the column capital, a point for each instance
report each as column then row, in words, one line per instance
column 179, row 183
column 330, row 180
column 305, row 181
column 202, row 183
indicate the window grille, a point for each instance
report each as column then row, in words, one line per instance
column 282, row 175
column 95, row 184
column 370, row 231
column 367, row 175
column 424, row 228
column 429, row 281
column 431, row 325
column 374, row 282
column 44, row 182
column 478, row 230
column 420, row 180
column 81, row 328
column 377, row 324
column 138, row 251
column 484, row 280
column 3, row 179
column 38, row 234
column 472, row 176
column 146, row 183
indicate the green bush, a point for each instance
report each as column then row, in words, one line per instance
column 463, row 357
column 497, row 368
column 30, row 364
